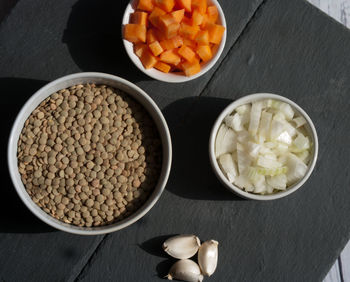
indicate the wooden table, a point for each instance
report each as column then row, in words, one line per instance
column 279, row 46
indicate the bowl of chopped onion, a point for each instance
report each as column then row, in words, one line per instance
column 263, row 146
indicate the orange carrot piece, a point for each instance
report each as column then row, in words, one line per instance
column 166, row 5
column 191, row 68
column 135, row 33
column 185, row 4
column 215, row 33
column 163, row 67
column 139, row 18
column 139, row 48
column 190, row 43
column 154, row 16
column 214, row 48
column 204, row 52
column 146, row 5
column 178, row 15
column 148, row 60
column 197, row 17
column 151, row 35
column 170, row 57
column 186, row 53
column 155, row 48
column 172, row 43
column 188, row 31
column 212, row 13
column 186, row 20
column 202, row 37
column 201, row 5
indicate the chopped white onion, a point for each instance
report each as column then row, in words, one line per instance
column 255, row 114
column 263, row 147
column 228, row 166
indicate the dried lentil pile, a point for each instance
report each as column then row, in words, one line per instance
column 89, row 155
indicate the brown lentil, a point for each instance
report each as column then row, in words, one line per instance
column 89, row 155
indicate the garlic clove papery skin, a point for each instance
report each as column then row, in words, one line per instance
column 182, row 246
column 208, row 257
column 186, row 270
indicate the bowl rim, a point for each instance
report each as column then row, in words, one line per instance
column 229, row 109
column 170, row 77
column 138, row 95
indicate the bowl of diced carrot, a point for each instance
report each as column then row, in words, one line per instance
column 174, row 40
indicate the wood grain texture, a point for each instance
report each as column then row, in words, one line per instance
column 337, row 9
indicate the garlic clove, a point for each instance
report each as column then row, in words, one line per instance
column 182, row 246
column 208, row 257
column 186, row 270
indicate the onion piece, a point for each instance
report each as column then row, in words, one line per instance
column 228, row 166
column 265, row 123
column 277, row 182
column 296, row 168
column 277, row 128
column 267, row 163
column 255, row 114
column 225, row 141
column 243, row 159
column 299, row 121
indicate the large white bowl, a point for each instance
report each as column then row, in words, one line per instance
column 97, row 78
column 249, row 99
column 172, row 77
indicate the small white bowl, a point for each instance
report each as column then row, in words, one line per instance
column 97, row 78
column 172, row 77
column 248, row 99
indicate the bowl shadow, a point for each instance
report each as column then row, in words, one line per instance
column 94, row 38
column 190, row 121
column 14, row 216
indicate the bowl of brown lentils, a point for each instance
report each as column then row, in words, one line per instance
column 90, row 153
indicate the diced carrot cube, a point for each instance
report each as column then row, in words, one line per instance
column 202, row 37
column 197, row 18
column 155, row 48
column 214, row 48
column 148, row 60
column 190, row 43
column 166, row 5
column 187, row 53
column 168, row 25
column 191, row 68
column 204, row 52
column 151, row 35
column 154, row 16
column 139, row 48
column 178, row 15
column 186, row 20
column 215, row 32
column 212, row 13
column 172, row 43
column 165, row 21
column 170, row 57
column 135, row 33
column 201, row 5
column 146, row 5
column 139, row 18
column 162, row 67
column 188, row 31
column 185, row 4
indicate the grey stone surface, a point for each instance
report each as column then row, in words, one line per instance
column 288, row 48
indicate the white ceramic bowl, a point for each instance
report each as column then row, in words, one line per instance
column 97, row 78
column 248, row 99
column 172, row 77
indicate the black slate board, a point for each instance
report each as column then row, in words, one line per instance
column 278, row 46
